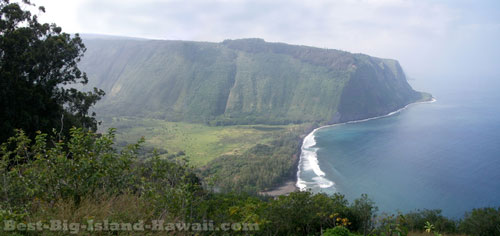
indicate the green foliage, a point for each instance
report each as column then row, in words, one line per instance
column 85, row 178
column 375, row 89
column 481, row 222
column 390, row 225
column 200, row 143
column 87, row 165
column 260, row 167
column 416, row 221
column 428, row 227
column 247, row 158
column 87, row 171
column 337, row 231
column 38, row 63
column 304, row 213
column 241, row 82
column 365, row 210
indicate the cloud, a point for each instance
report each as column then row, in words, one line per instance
column 409, row 30
column 283, row 20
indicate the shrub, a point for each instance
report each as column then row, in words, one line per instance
column 481, row 222
column 88, row 166
column 416, row 221
column 337, row 231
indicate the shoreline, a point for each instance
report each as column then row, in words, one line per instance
column 289, row 185
column 284, row 189
column 293, row 184
column 300, row 184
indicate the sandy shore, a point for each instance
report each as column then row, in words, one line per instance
column 284, row 189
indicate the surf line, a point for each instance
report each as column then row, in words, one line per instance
column 308, row 159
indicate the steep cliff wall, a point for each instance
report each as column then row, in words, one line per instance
column 242, row 81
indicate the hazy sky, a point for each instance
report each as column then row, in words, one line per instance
column 429, row 38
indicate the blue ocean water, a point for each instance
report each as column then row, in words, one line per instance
column 442, row 155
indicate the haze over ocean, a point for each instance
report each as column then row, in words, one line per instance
column 442, row 155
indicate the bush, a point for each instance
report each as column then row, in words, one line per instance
column 85, row 179
column 337, row 231
column 481, row 222
column 415, row 221
column 87, row 166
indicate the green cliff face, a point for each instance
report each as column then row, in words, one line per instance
column 242, row 81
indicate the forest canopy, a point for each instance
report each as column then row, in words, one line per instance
column 38, row 65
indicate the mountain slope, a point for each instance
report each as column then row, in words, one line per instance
column 242, row 81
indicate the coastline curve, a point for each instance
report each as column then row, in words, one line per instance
column 308, row 159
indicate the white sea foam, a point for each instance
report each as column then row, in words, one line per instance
column 309, row 162
column 309, row 158
column 318, row 181
column 323, row 182
column 309, row 140
column 301, row 184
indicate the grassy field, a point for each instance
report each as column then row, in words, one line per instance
column 201, row 143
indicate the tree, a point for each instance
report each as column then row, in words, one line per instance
column 38, row 65
column 365, row 210
column 481, row 222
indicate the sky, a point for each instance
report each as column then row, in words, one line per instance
column 429, row 38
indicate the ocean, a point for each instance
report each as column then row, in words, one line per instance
column 441, row 155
